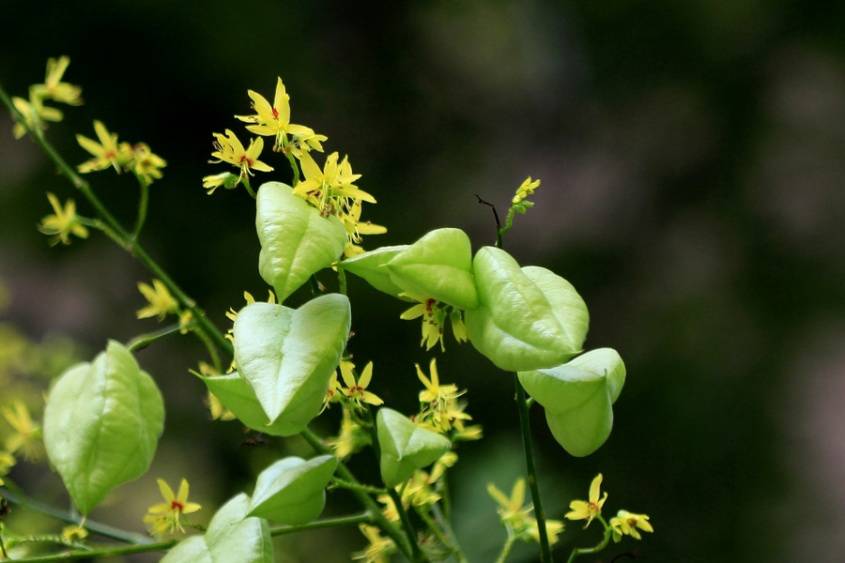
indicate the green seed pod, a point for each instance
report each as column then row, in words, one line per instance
column 439, row 265
column 405, row 447
column 296, row 241
column 578, row 398
column 232, row 535
column 102, row 423
column 288, row 355
column 292, row 490
column 528, row 318
column 369, row 266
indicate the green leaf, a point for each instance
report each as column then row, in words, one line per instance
column 368, row 265
column 528, row 318
column 296, row 241
column 578, row 398
column 232, row 535
column 292, row 490
column 102, row 423
column 288, row 355
column 236, row 394
column 439, row 265
column 405, row 447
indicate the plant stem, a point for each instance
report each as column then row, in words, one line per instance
column 444, row 535
column 294, row 169
column 596, row 548
column 343, row 484
column 17, row 497
column 143, row 201
column 163, row 545
column 249, row 187
column 143, row 340
column 378, row 518
column 116, row 231
column 341, row 279
column 506, row 549
column 212, row 350
column 528, row 448
column 406, row 523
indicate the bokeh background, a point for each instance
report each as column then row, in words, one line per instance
column 692, row 163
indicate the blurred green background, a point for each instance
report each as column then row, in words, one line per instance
column 692, row 162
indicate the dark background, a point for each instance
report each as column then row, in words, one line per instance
column 692, row 161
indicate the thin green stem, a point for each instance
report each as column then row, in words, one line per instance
column 212, row 349
column 406, row 523
column 294, row 168
column 528, row 449
column 365, row 499
column 46, row 538
column 116, row 231
column 343, row 484
column 110, row 551
column 506, row 549
column 444, row 535
column 3, row 547
column 143, row 202
column 143, row 340
column 248, row 187
column 578, row 551
column 341, row 279
column 19, row 498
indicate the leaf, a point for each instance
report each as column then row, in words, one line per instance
column 232, row 535
column 439, row 265
column 528, row 318
column 288, row 355
column 405, row 447
column 292, row 490
column 578, row 398
column 368, row 265
column 296, row 241
column 102, row 423
column 236, row 394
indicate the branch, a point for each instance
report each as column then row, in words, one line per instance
column 495, row 217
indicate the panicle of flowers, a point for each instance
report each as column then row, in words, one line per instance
column 517, row 516
column 440, row 409
column 520, row 204
column 63, row 223
column 434, row 316
column 107, row 152
column 417, row 492
column 166, row 517
column 35, row 114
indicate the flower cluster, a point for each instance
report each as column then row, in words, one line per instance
column 35, row 114
column 623, row 524
column 107, row 152
column 434, row 316
column 440, row 409
column 517, row 516
column 330, row 188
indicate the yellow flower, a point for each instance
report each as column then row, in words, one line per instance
column 517, row 517
column 107, row 153
column 434, row 392
column 351, row 438
column 356, row 390
column 356, row 229
column 330, row 189
column 165, row 517
column 53, row 87
column 274, row 120
column 526, row 189
column 35, row 114
column 63, row 222
column 160, row 302
column 440, row 466
column 305, row 142
column 145, row 164
column 434, row 315
column 629, row 524
column 74, row 533
column 588, row 509
column 228, row 148
column 379, row 548
column 27, row 435
column 225, row 180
